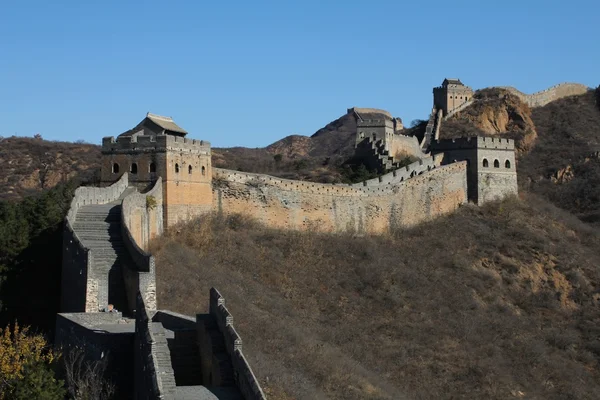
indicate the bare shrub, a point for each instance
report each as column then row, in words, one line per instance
column 85, row 379
column 431, row 311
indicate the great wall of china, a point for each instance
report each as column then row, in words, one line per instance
column 541, row 98
column 156, row 178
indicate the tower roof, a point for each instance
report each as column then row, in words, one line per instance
column 166, row 123
column 151, row 122
column 452, row 81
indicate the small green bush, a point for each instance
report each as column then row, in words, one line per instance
column 150, row 202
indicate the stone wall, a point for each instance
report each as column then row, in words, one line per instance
column 245, row 380
column 540, row 99
column 86, row 331
column 458, row 109
column 77, row 265
column 402, row 174
column 154, row 377
column 401, row 145
column 291, row 204
column 139, row 224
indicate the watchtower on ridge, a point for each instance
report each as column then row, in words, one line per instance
column 451, row 95
column 491, row 166
column 157, row 147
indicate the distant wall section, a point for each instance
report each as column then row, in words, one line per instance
column 553, row 93
column 291, row 204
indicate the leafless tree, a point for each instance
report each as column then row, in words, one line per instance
column 85, row 379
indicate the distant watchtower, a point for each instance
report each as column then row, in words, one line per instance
column 157, row 147
column 451, row 95
column 491, row 166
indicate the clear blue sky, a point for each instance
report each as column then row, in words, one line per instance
column 248, row 73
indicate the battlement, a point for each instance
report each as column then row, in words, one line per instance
column 359, row 111
column 543, row 97
column 495, row 143
column 371, row 122
column 157, row 143
column 473, row 142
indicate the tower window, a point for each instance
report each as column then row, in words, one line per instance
column 507, row 164
column 133, row 168
column 152, row 167
column 189, row 169
column 485, row 163
column 203, row 171
column 496, row 164
column 176, row 168
column 115, row 168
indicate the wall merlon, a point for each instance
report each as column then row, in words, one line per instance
column 154, row 143
column 495, row 143
column 366, row 123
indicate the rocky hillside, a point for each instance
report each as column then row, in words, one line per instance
column 494, row 112
column 30, row 165
column 507, row 309
column 557, row 144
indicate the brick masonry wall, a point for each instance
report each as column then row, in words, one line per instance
column 245, row 379
column 139, row 224
column 79, row 330
column 154, row 376
column 553, row 93
column 402, row 145
column 302, row 205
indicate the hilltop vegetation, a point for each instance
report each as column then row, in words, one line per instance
column 506, row 307
column 31, row 165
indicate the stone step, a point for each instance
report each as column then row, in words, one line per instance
column 93, row 225
column 98, row 218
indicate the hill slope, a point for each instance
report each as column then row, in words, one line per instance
column 507, row 308
column 556, row 144
column 29, row 165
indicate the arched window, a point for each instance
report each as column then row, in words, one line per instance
column 115, row 169
column 203, row 171
column 466, row 98
column 189, row 169
column 485, row 163
column 133, row 168
column 152, row 167
column 176, row 168
column 496, row 164
column 507, row 164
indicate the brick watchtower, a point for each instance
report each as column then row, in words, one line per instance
column 157, row 146
column 452, row 94
column 491, row 165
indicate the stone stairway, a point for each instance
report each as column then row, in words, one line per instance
column 185, row 357
column 187, row 366
column 99, row 229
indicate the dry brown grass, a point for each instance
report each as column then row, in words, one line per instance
column 486, row 303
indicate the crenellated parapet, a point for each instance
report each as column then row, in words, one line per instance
column 472, row 142
column 543, row 97
column 153, row 143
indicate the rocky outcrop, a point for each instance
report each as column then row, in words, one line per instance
column 495, row 112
